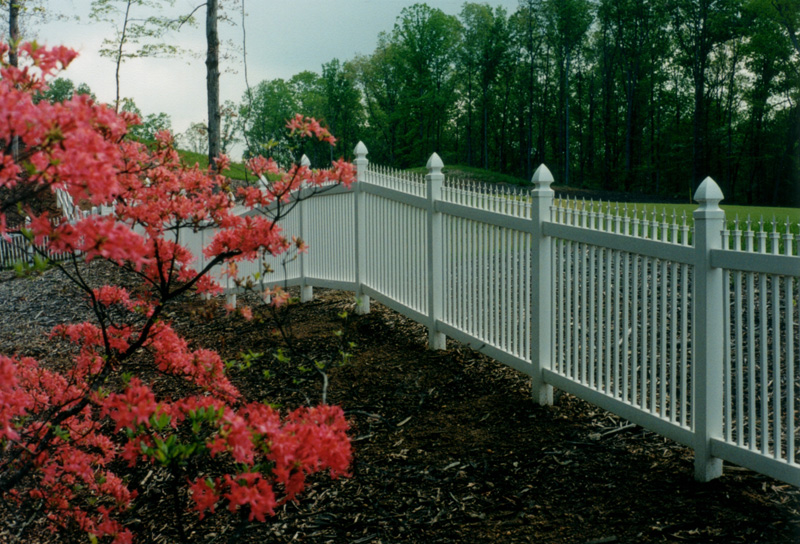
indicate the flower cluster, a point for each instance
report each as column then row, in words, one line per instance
column 286, row 184
column 308, row 127
column 61, row 431
column 307, row 441
column 70, row 145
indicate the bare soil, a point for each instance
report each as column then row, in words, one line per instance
column 449, row 446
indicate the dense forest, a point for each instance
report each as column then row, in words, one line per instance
column 647, row 96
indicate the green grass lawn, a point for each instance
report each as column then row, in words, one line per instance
column 477, row 174
column 236, row 171
column 755, row 213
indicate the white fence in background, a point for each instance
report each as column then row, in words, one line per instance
column 691, row 332
column 16, row 248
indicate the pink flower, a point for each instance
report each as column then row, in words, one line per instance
column 251, row 490
column 132, row 408
column 204, row 495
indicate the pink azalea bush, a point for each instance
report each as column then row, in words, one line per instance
column 62, row 432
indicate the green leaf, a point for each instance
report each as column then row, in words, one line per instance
column 160, row 422
column 61, row 433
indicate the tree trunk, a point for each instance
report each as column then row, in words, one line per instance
column 655, row 121
column 566, row 118
column 485, row 146
column 529, row 141
column 701, row 50
column 629, row 92
column 13, row 31
column 122, row 39
column 608, row 62
column 590, row 127
column 729, row 182
column 544, row 120
column 13, row 58
column 504, row 125
column 698, row 144
column 469, row 120
column 212, row 81
column 791, row 166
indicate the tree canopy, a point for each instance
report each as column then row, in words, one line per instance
column 620, row 95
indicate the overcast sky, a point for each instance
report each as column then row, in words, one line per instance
column 284, row 37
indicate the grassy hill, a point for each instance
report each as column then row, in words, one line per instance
column 236, row 171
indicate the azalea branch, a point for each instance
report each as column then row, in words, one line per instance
column 96, row 307
column 211, row 264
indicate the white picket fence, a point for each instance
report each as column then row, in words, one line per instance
column 691, row 332
column 16, row 248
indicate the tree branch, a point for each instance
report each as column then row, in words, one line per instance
column 183, row 20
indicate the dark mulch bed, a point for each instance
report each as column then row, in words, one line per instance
column 449, row 446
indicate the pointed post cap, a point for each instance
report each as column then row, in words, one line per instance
column 709, row 195
column 360, row 150
column 435, row 164
column 304, row 161
column 542, row 177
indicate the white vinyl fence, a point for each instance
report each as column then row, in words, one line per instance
column 16, row 248
column 689, row 332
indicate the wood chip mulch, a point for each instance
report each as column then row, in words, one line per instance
column 449, row 446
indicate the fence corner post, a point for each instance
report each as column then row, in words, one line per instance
column 306, row 290
column 362, row 163
column 541, row 285
column 434, row 182
column 707, row 340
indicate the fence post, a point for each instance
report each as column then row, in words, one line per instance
column 541, row 286
column 230, row 294
column 434, row 181
column 201, row 258
column 29, row 250
column 306, row 291
column 361, row 162
column 707, row 340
